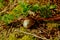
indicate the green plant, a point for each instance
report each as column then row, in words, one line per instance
column 23, row 8
column 7, row 18
column 45, row 10
column 35, row 7
column 52, row 7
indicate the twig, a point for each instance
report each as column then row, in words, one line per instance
column 13, row 5
column 33, row 35
column 9, row 7
column 5, row 9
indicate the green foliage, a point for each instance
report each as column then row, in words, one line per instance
column 52, row 7
column 35, row 7
column 16, row 11
column 24, row 6
column 45, row 10
column 7, row 18
column 21, row 9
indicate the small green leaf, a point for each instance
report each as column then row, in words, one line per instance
column 52, row 6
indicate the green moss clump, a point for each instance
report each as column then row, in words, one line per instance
column 28, row 37
column 12, row 37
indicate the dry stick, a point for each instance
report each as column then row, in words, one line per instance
column 5, row 9
column 13, row 5
column 33, row 35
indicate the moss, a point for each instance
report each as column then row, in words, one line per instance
column 12, row 37
column 28, row 37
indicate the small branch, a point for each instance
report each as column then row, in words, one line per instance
column 13, row 5
column 33, row 35
column 5, row 9
column 9, row 7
